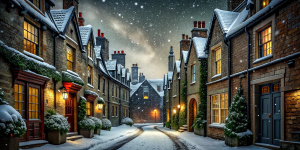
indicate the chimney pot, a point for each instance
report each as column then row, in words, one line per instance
column 195, row 24
column 99, row 32
column 80, row 14
column 115, row 52
column 122, row 51
column 183, row 35
column 199, row 24
column 187, row 37
column 118, row 52
column 102, row 34
column 203, row 24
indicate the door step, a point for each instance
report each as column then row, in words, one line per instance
column 269, row 146
column 69, row 134
column 74, row 138
column 183, row 128
column 31, row 144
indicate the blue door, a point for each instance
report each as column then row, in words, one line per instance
column 270, row 120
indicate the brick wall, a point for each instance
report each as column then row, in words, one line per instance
column 292, row 113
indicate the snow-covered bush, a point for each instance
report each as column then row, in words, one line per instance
column 68, row 77
column 236, row 122
column 56, row 122
column 127, row 121
column 11, row 122
column 106, row 124
column 86, row 123
column 98, row 122
column 81, row 108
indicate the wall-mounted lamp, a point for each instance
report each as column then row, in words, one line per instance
column 100, row 103
column 174, row 111
column 178, row 106
column 65, row 94
column 100, row 106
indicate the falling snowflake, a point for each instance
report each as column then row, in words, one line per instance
column 135, row 3
column 103, row 0
column 142, row 6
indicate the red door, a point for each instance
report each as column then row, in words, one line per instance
column 70, row 111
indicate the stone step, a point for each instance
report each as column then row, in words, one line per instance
column 31, row 144
column 180, row 130
column 185, row 126
column 69, row 134
column 74, row 138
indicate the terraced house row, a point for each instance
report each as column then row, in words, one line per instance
column 254, row 44
column 49, row 59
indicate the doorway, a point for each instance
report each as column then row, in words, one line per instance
column 69, row 108
column 192, row 113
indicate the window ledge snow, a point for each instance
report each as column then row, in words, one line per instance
column 90, row 58
column 262, row 58
column 216, row 125
column 90, row 85
column 193, row 83
column 98, row 90
column 215, row 76
column 72, row 72
column 33, row 56
column 174, row 95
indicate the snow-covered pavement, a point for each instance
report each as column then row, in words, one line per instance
column 150, row 139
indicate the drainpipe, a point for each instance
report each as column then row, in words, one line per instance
column 185, row 74
column 108, row 101
column 120, row 103
column 54, row 64
column 248, row 78
column 229, row 71
column 179, row 100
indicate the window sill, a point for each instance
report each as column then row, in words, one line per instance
column 33, row 56
column 99, row 91
column 193, row 83
column 216, row 125
column 90, row 58
column 262, row 58
column 90, row 85
column 175, row 96
column 215, row 76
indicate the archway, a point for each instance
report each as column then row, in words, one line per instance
column 192, row 113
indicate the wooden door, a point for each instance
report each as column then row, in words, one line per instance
column 69, row 111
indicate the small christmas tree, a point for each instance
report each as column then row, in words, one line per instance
column 236, row 122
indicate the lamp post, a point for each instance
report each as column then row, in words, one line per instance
column 155, row 115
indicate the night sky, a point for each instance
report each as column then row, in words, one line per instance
column 145, row 29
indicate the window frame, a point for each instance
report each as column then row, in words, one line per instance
column 219, row 108
column 70, row 49
column 103, row 86
column 89, row 108
column 90, row 50
column 90, row 75
column 35, row 2
column 193, row 71
column 30, row 41
column 146, row 90
column 218, row 62
column 99, row 82
column 262, row 52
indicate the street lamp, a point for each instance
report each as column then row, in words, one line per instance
column 155, row 114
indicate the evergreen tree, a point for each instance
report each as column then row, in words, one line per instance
column 81, row 108
column 236, row 121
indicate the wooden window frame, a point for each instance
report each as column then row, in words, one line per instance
column 219, row 109
column 70, row 49
column 90, row 50
column 89, row 108
column 90, row 75
column 32, row 42
column 262, row 52
column 218, row 62
column 99, row 78
column 36, row 3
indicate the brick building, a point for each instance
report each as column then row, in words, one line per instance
column 45, row 52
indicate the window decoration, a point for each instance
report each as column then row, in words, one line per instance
column 218, row 60
column 31, row 38
column 265, row 42
column 219, row 108
column 69, row 58
column 265, row 89
column 90, row 75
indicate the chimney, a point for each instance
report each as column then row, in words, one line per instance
column 102, row 34
column 199, row 24
column 203, row 24
column 195, row 24
column 80, row 19
column 99, row 32
column 69, row 3
column 183, row 35
column 134, row 74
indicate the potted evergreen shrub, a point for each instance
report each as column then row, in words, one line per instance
column 57, row 127
column 199, row 127
column 86, row 127
column 106, row 124
column 127, row 121
column 98, row 125
column 235, row 130
column 12, row 125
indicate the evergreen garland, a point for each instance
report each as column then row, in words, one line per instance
column 182, row 116
column 236, row 122
column 175, row 121
column 201, row 116
column 183, row 91
column 81, row 108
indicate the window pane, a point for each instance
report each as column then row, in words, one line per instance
column 19, row 99
column 33, row 103
column 31, row 36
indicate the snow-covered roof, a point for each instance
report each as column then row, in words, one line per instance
column 155, row 83
column 225, row 18
column 61, row 17
column 98, row 51
column 177, row 64
column 170, row 75
column 120, row 67
column 240, row 22
column 111, row 64
column 85, row 32
column 199, row 44
column 165, row 79
column 44, row 18
column 102, row 68
column 134, row 87
column 128, row 76
column 184, row 55
column 123, row 72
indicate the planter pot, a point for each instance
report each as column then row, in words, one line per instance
column 200, row 131
column 9, row 143
column 54, row 137
column 238, row 141
column 97, row 131
column 86, row 133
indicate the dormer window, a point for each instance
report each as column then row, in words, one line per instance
column 36, row 3
column 264, row 3
column 31, row 38
column 90, row 50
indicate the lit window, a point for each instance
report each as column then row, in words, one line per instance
column 265, row 42
column 265, row 89
column 219, row 108
column 20, row 99
column 69, row 58
column 276, row 87
column 90, row 49
column 36, row 3
column 90, row 75
column 218, row 60
column 89, row 108
column 264, row 3
column 31, row 38
column 146, row 92
column 33, row 103
column 194, row 73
